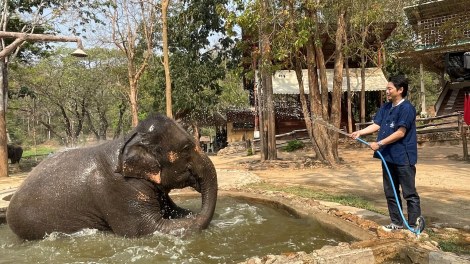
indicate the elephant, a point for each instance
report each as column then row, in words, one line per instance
column 14, row 153
column 121, row 186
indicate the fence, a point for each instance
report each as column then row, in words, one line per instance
column 432, row 125
column 439, row 124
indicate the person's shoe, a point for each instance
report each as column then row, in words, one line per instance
column 392, row 227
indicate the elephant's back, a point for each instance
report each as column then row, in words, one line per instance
column 71, row 167
column 54, row 192
column 60, row 170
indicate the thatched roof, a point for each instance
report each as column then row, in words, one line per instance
column 241, row 115
column 285, row 81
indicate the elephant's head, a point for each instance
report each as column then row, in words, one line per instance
column 160, row 151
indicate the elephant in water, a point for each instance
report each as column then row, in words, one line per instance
column 120, row 186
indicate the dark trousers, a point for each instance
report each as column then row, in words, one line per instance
column 403, row 178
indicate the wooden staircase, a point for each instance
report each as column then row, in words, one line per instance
column 452, row 100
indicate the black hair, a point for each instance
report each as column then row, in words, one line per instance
column 400, row 81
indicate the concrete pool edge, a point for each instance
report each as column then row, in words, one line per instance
column 374, row 245
column 4, row 201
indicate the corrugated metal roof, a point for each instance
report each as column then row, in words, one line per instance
column 434, row 9
column 285, row 81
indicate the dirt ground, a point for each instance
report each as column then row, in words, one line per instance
column 443, row 178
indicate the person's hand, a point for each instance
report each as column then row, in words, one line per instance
column 355, row 134
column 374, row 146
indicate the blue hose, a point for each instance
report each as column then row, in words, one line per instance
column 420, row 224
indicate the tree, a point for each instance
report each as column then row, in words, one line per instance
column 71, row 97
column 199, row 51
column 363, row 26
column 133, row 27
column 233, row 95
column 35, row 12
column 297, row 35
column 259, row 22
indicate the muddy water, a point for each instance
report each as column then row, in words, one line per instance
column 239, row 230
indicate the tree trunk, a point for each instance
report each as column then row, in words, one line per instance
column 119, row 126
column 271, row 119
column 133, row 101
column 318, row 132
column 266, row 57
column 303, row 103
column 323, row 81
column 3, row 127
column 196, row 134
column 263, row 120
column 166, row 59
column 322, row 137
column 364, row 33
column 335, row 116
column 349, row 101
column 363, row 88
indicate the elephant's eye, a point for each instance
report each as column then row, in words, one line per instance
column 186, row 147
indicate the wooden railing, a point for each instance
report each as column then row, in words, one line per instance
column 444, row 123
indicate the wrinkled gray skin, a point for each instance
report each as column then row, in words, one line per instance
column 120, row 186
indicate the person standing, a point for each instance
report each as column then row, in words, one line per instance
column 397, row 142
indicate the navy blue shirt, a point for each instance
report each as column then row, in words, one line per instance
column 405, row 150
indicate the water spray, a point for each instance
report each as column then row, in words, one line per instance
column 420, row 223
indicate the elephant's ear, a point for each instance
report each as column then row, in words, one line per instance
column 135, row 160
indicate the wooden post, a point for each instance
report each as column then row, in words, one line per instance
column 423, row 91
column 464, row 143
column 463, row 132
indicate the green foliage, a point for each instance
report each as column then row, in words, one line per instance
column 249, row 152
column 41, row 150
column 208, row 131
column 67, row 97
column 233, row 95
column 453, row 246
column 450, row 241
column 197, row 66
column 36, row 17
column 293, row 145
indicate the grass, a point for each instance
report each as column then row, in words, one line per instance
column 349, row 200
column 293, row 145
column 39, row 151
column 450, row 242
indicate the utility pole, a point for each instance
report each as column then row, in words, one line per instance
column 5, row 52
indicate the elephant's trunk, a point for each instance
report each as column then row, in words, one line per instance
column 208, row 182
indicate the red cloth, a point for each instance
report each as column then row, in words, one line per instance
column 466, row 109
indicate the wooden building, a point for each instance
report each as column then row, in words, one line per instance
column 442, row 29
column 289, row 116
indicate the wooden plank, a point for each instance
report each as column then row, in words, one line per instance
column 437, row 130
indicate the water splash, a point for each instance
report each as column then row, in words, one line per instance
column 239, row 230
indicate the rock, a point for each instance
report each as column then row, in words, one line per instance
column 450, row 229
